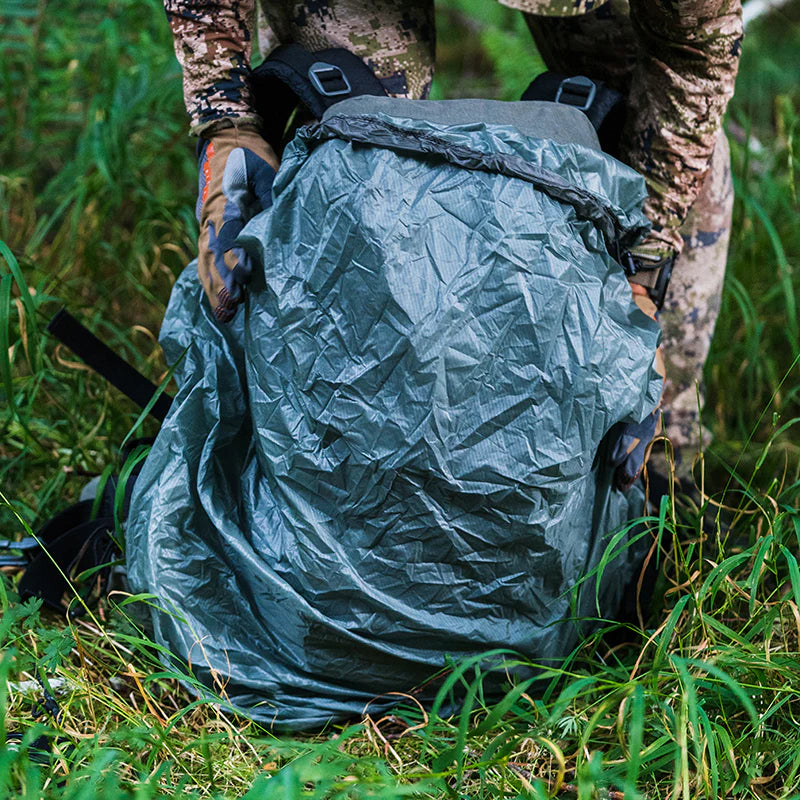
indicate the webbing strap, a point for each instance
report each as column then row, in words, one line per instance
column 72, row 553
column 605, row 107
column 645, row 277
column 64, row 548
column 103, row 360
column 75, row 549
column 291, row 75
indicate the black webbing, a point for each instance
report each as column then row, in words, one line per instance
column 104, row 361
column 606, row 111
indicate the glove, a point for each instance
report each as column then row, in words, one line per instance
column 629, row 451
column 236, row 168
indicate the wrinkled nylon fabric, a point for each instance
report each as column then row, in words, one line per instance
column 398, row 453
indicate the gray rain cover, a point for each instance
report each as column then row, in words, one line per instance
column 397, row 453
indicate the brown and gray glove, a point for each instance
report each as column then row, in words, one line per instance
column 236, row 169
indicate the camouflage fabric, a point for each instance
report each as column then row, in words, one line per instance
column 395, row 39
column 690, row 312
column 554, row 8
column 601, row 44
column 213, row 43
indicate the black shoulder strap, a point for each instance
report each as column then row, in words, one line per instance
column 291, row 76
column 605, row 107
column 74, row 543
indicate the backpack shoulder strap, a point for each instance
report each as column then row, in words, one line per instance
column 291, row 76
column 75, row 552
column 605, row 107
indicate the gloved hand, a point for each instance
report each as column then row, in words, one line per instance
column 237, row 168
column 629, row 450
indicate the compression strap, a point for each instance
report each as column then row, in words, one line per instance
column 104, row 361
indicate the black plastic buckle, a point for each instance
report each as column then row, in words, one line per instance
column 628, row 263
column 578, row 91
column 659, row 292
column 328, row 79
column 27, row 547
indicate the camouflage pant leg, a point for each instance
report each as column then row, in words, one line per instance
column 600, row 44
column 691, row 308
column 396, row 38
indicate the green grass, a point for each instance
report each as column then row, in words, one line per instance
column 756, row 341
column 97, row 183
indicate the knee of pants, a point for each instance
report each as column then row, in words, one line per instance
column 692, row 304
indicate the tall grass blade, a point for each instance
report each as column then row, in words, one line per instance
column 635, row 741
column 5, row 346
column 28, row 304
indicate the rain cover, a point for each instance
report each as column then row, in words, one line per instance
column 398, row 453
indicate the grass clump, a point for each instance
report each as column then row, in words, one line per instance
column 701, row 704
column 96, row 210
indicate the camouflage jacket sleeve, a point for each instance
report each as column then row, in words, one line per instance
column 688, row 59
column 213, row 42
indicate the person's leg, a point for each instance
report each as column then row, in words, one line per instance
column 600, row 44
column 396, row 39
column 690, row 312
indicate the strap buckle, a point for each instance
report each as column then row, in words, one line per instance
column 578, row 91
column 328, row 79
column 658, row 274
column 659, row 292
column 27, row 547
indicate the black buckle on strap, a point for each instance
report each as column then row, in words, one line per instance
column 578, row 92
column 659, row 292
column 662, row 269
column 27, row 547
column 328, row 79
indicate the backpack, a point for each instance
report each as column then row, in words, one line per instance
column 398, row 457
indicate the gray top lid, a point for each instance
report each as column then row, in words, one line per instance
column 537, row 118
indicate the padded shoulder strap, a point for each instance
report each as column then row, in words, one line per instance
column 605, row 107
column 292, row 76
